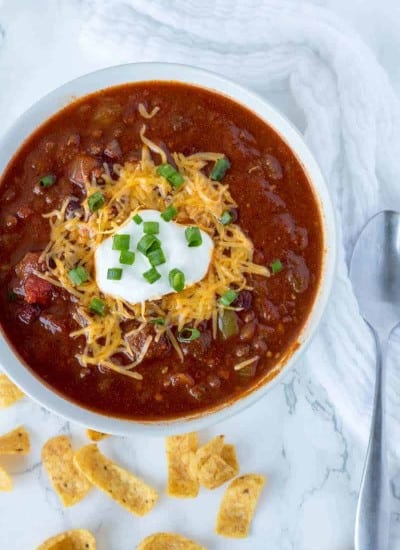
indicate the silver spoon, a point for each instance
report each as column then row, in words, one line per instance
column 375, row 275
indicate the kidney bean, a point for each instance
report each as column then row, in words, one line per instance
column 268, row 311
column 213, row 381
column 273, row 167
column 258, row 257
column 299, row 274
column 302, row 237
column 24, row 212
column 73, row 208
column 244, row 300
column 9, row 195
column 248, row 316
column 260, row 346
column 83, row 373
column 181, row 378
column 242, row 350
column 224, row 374
column 265, row 331
column 198, row 391
column 11, row 222
column 247, row 331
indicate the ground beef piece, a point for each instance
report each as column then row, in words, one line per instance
column 81, row 167
column 34, row 289
column 54, row 323
column 198, row 348
column 28, row 313
column 29, row 263
column 157, row 350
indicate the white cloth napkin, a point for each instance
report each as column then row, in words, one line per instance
column 352, row 126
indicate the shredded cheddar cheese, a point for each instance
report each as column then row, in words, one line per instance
column 240, row 366
column 199, row 201
column 145, row 114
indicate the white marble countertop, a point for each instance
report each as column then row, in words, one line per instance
column 313, row 464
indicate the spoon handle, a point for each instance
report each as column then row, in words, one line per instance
column 373, row 509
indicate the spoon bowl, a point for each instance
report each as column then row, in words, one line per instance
column 375, row 271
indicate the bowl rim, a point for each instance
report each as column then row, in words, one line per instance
column 55, row 100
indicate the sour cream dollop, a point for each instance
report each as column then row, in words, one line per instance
column 133, row 286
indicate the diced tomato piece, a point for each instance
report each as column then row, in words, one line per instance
column 37, row 290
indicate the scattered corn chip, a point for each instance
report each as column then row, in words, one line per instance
column 182, row 483
column 213, row 447
column 15, row 442
column 238, row 505
column 78, row 539
column 95, row 436
column 119, row 484
column 9, row 392
column 68, row 482
column 229, row 455
column 168, row 541
column 214, row 463
column 5, row 481
column 215, row 472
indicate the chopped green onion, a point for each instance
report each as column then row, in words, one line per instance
column 148, row 243
column 96, row 201
column 156, row 257
column 155, row 246
column 169, row 173
column 152, row 275
column 276, row 266
column 176, row 179
column 193, row 236
column 176, row 279
column 127, row 257
column 137, row 219
column 188, row 334
column 78, row 275
column 151, row 228
column 121, row 242
column 169, row 213
column 165, row 170
column 226, row 218
column 114, row 274
column 219, row 169
column 158, row 321
column 227, row 298
column 98, row 306
column 12, row 296
column 48, row 181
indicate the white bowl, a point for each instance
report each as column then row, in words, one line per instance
column 98, row 80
